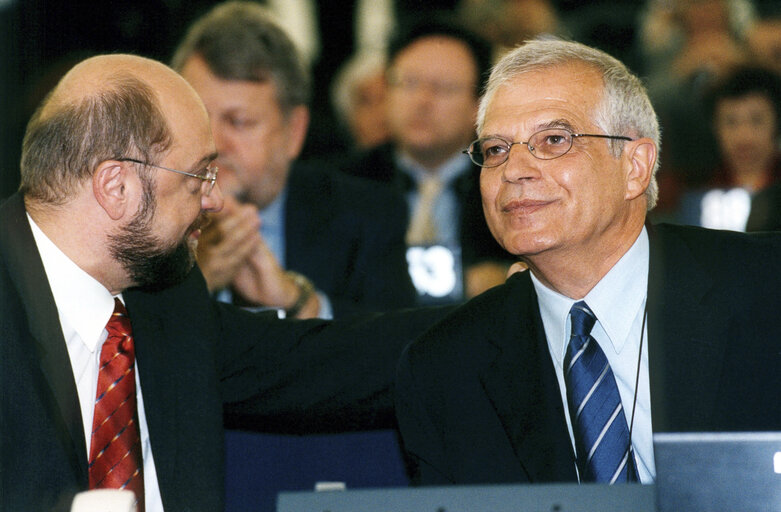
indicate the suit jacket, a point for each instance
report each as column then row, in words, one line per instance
column 347, row 236
column 766, row 210
column 194, row 355
column 477, row 243
column 477, row 396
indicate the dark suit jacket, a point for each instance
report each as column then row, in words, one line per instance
column 194, row 355
column 477, row 243
column 766, row 210
column 477, row 396
column 347, row 236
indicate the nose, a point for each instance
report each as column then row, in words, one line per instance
column 214, row 201
column 520, row 164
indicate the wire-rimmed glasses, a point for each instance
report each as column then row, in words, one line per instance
column 545, row 144
column 208, row 174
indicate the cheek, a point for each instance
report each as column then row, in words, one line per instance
column 489, row 189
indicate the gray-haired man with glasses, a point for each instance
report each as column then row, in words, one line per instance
column 620, row 329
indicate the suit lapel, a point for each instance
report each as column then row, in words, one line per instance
column 686, row 340
column 160, row 387
column 522, row 386
column 26, row 270
column 300, row 209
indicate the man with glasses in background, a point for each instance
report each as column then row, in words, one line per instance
column 620, row 329
column 435, row 72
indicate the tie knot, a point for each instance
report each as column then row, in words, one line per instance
column 430, row 186
column 582, row 318
column 118, row 325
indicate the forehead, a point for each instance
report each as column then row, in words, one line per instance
column 435, row 55
column 220, row 94
column 188, row 121
column 754, row 102
column 532, row 100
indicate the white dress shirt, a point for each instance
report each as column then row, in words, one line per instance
column 618, row 301
column 85, row 306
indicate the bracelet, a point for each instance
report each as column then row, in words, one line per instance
column 305, row 290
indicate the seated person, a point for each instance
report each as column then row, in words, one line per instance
column 746, row 114
column 301, row 227
column 619, row 329
column 434, row 79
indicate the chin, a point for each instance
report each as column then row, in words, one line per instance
column 525, row 245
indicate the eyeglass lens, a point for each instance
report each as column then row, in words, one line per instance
column 209, row 177
column 545, row 144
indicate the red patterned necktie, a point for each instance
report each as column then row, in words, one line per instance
column 115, row 451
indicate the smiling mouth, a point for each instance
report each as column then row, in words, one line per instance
column 524, row 207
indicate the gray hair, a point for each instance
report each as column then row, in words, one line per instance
column 625, row 108
column 359, row 67
column 239, row 40
column 66, row 140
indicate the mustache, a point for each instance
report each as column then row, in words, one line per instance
column 200, row 222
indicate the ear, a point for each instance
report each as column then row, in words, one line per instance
column 640, row 158
column 112, row 188
column 297, row 126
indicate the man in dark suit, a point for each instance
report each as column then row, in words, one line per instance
column 299, row 224
column 116, row 176
column 682, row 329
column 434, row 75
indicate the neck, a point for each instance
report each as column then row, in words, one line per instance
column 575, row 271
column 430, row 159
column 76, row 231
column 751, row 175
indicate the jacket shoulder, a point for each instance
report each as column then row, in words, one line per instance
column 485, row 318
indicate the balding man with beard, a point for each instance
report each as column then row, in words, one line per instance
column 115, row 362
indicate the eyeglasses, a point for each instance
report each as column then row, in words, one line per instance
column 545, row 144
column 208, row 175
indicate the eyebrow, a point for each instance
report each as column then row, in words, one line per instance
column 202, row 162
column 557, row 123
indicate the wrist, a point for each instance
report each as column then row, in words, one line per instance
column 305, row 291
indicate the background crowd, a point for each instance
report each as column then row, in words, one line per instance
column 682, row 49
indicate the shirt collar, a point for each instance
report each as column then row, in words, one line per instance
column 84, row 305
column 272, row 215
column 451, row 169
column 615, row 300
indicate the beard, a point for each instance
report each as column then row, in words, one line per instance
column 151, row 264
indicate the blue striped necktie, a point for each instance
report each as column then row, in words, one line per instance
column 598, row 421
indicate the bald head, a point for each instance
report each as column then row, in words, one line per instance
column 106, row 107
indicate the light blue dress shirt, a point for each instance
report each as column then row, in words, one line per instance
column 272, row 229
column 618, row 301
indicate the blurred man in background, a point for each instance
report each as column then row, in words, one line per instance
column 434, row 75
column 300, row 238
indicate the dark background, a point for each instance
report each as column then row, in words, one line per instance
column 41, row 39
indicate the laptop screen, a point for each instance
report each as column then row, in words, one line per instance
column 731, row 471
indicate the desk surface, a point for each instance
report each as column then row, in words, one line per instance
column 493, row 498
